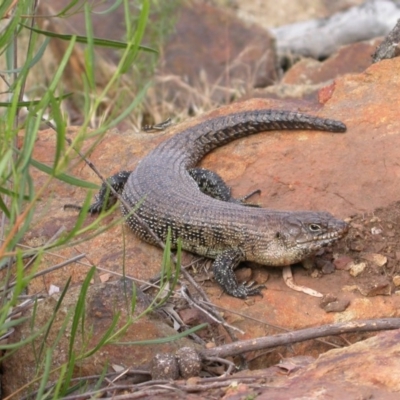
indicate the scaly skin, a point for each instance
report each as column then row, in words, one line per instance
column 224, row 230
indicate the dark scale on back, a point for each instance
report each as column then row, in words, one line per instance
column 198, row 207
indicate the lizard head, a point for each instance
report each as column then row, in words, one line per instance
column 298, row 235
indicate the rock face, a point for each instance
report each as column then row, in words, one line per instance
column 210, row 56
column 220, row 54
column 366, row 369
column 353, row 58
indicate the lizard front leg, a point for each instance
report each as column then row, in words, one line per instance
column 223, row 268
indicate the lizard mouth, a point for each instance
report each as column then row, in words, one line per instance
column 327, row 237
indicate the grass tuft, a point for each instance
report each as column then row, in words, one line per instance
column 20, row 121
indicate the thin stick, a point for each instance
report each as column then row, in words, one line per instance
column 283, row 339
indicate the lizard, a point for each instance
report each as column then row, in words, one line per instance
column 168, row 191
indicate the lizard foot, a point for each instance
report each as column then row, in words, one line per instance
column 223, row 268
column 211, row 184
column 105, row 199
column 247, row 289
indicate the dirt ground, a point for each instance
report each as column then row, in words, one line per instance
column 373, row 242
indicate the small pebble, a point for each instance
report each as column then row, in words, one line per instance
column 375, row 219
column 189, row 362
column 377, row 259
column 328, row 298
column 376, row 231
column 355, row 269
column 328, row 268
column 330, row 303
column 342, row 262
column 164, row 366
column 357, row 246
column 381, row 287
column 337, row 306
column 396, row 280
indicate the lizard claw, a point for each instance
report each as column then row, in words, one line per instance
column 95, row 208
column 247, row 289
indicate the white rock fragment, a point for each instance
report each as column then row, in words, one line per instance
column 396, row 280
column 356, row 268
column 53, row 289
column 377, row 259
column 376, row 231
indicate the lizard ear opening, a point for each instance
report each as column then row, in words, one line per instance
column 278, row 235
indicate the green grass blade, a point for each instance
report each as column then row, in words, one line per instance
column 18, row 345
column 112, row 8
column 63, row 177
column 38, row 56
column 69, row 7
column 53, row 316
column 45, row 376
column 101, row 377
column 60, row 382
column 114, row 44
column 80, row 310
column 60, row 132
column 128, row 110
column 134, row 45
column 68, row 375
column 89, row 50
column 4, row 208
column 6, row 35
column 9, row 324
column 106, row 337
column 32, row 102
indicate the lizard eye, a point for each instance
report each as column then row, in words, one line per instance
column 314, row 227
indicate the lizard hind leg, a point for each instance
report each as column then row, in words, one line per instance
column 211, row 184
column 105, row 199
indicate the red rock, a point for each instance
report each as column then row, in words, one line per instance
column 342, row 262
column 367, row 369
column 353, row 58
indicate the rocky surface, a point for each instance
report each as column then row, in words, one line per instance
column 365, row 370
column 345, row 174
column 352, row 58
column 209, row 55
column 103, row 303
column 233, row 56
column 227, row 51
column 354, row 176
